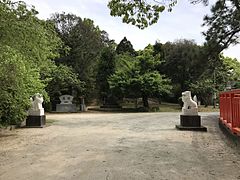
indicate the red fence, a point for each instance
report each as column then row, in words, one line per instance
column 230, row 110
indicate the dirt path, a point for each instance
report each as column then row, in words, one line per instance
column 130, row 146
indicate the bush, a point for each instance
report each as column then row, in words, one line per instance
column 18, row 82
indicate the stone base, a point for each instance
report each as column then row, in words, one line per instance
column 66, row 108
column 36, row 121
column 83, row 107
column 184, row 128
column 191, row 123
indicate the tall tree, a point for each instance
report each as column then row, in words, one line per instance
column 85, row 42
column 224, row 25
column 183, row 63
column 27, row 46
column 125, row 46
column 140, row 79
column 106, row 68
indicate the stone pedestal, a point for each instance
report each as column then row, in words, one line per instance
column 66, row 108
column 83, row 107
column 191, row 123
column 36, row 121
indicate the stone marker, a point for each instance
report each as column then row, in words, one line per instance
column 190, row 120
column 36, row 117
column 66, row 104
column 82, row 104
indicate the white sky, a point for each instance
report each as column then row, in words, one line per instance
column 183, row 22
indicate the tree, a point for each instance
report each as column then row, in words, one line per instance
column 125, row 46
column 27, row 46
column 142, row 13
column 204, row 90
column 140, row 78
column 63, row 81
column 85, row 42
column 106, row 67
column 224, row 26
column 182, row 63
column 22, row 30
column 226, row 71
column 232, row 67
column 18, row 82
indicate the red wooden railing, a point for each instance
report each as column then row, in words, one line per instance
column 230, row 110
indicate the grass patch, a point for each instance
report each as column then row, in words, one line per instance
column 154, row 107
column 169, row 107
column 50, row 122
column 208, row 109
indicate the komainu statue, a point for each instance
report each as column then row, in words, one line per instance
column 189, row 107
column 37, row 101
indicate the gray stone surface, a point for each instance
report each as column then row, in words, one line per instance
column 118, row 146
column 66, row 108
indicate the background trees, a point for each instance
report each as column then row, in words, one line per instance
column 18, row 81
column 68, row 54
column 26, row 46
column 106, row 67
column 139, row 78
column 125, row 46
column 84, row 42
column 182, row 63
column 224, row 25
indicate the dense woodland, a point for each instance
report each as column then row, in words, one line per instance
column 70, row 55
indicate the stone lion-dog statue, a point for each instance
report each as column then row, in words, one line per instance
column 36, row 101
column 189, row 107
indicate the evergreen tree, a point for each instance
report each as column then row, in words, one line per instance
column 125, row 46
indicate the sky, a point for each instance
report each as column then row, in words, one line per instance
column 184, row 22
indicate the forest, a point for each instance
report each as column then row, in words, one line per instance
column 67, row 54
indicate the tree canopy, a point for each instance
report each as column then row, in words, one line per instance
column 125, row 46
column 27, row 46
column 223, row 25
column 140, row 78
column 142, row 13
column 84, row 42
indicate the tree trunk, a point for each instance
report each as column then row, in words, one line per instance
column 145, row 101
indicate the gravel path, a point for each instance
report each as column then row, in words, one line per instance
column 118, row 146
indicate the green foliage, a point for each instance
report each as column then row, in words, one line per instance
column 26, row 46
column 232, row 68
column 237, row 85
column 22, row 30
column 85, row 42
column 63, row 81
column 183, row 63
column 204, row 89
column 18, row 82
column 142, row 13
column 224, row 25
column 138, row 13
column 125, row 46
column 140, row 78
column 106, row 67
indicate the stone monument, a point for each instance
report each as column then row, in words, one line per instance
column 66, row 104
column 36, row 117
column 82, row 104
column 189, row 119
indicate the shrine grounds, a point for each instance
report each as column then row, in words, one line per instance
column 118, row 146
